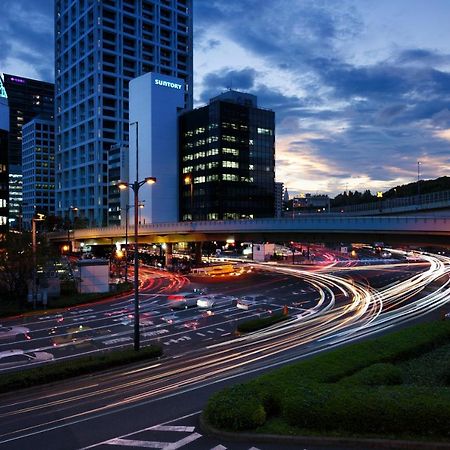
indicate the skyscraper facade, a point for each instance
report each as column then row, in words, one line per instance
column 227, row 160
column 27, row 98
column 38, row 168
column 100, row 47
column 4, row 131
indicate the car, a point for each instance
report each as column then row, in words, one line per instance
column 80, row 336
column 13, row 358
column 14, row 333
column 183, row 300
column 192, row 324
column 447, row 316
column 206, row 302
column 169, row 319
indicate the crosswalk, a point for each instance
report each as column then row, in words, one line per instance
column 165, row 437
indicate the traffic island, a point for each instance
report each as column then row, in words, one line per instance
column 56, row 371
column 382, row 393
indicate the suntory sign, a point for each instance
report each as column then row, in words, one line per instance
column 168, row 84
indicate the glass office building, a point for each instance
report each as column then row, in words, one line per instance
column 38, row 169
column 27, row 99
column 4, row 130
column 100, row 47
column 227, row 160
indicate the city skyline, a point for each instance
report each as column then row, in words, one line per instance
column 360, row 91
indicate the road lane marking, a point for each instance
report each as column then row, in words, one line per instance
column 183, row 442
column 140, row 444
column 179, row 428
column 219, row 447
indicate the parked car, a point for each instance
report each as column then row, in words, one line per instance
column 13, row 358
column 14, row 333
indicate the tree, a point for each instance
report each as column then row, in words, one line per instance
column 17, row 265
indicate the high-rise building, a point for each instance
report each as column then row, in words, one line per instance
column 279, row 191
column 38, row 168
column 227, row 160
column 4, row 130
column 27, row 98
column 100, row 47
column 155, row 103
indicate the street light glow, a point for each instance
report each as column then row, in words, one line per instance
column 150, row 180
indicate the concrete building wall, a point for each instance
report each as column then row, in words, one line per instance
column 155, row 101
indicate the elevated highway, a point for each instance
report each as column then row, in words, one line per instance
column 419, row 230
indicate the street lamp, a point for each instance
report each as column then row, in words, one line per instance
column 136, row 186
column 188, row 180
column 39, row 218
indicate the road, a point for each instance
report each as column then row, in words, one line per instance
column 338, row 306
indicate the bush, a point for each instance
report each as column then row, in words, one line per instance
column 258, row 324
column 376, row 375
column 80, row 366
column 309, row 394
column 236, row 408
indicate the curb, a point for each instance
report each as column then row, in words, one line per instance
column 359, row 443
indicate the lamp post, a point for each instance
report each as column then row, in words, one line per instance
column 70, row 208
column 188, row 180
column 418, row 183
column 39, row 218
column 135, row 187
column 127, row 209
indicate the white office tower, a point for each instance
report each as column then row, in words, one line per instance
column 100, row 47
column 155, row 101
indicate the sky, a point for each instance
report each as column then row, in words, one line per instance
column 360, row 88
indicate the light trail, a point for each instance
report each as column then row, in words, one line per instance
column 346, row 310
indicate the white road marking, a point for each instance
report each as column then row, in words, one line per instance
column 173, row 428
column 140, row 444
column 220, row 329
column 219, row 447
column 183, row 442
column 253, row 448
column 201, row 334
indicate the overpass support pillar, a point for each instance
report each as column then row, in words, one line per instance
column 169, row 249
column 198, row 253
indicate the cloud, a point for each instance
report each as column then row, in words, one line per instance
column 27, row 45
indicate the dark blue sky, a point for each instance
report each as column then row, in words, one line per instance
column 361, row 88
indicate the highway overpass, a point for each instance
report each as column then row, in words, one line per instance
column 419, row 230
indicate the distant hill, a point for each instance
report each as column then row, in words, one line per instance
column 405, row 190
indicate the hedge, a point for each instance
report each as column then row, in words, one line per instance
column 74, row 367
column 260, row 323
column 337, row 391
column 381, row 374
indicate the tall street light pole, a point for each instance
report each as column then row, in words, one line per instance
column 418, row 183
column 127, row 210
column 39, row 218
column 189, row 180
column 135, row 186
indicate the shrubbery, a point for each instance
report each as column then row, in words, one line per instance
column 381, row 374
column 74, row 367
column 260, row 323
column 310, row 395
